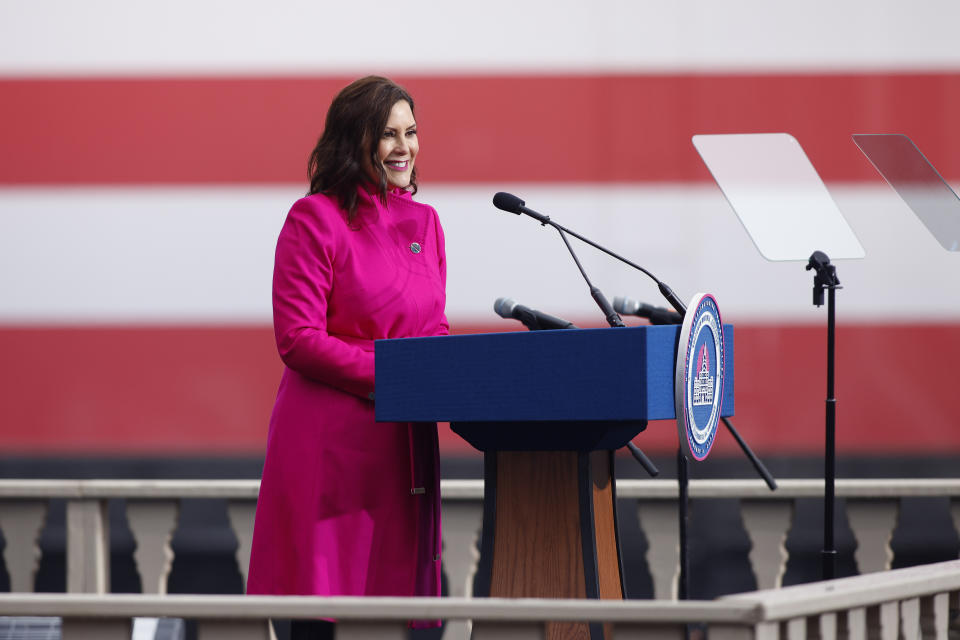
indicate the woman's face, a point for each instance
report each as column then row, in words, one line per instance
column 398, row 146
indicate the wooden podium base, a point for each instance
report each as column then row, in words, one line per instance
column 550, row 530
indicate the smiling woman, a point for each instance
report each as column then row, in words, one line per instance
column 347, row 506
column 370, row 136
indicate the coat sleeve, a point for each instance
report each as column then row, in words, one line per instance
column 302, row 280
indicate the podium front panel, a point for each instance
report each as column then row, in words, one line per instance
column 595, row 375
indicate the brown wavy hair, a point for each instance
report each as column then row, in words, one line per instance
column 351, row 139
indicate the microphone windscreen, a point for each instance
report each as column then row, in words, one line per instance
column 507, row 202
column 504, row 307
column 624, row 305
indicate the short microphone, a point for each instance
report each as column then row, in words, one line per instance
column 531, row 318
column 656, row 315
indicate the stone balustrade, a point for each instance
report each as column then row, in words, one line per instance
column 152, row 509
column 917, row 603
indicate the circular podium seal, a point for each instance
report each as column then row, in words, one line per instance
column 698, row 388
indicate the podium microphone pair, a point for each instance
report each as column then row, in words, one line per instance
column 538, row 321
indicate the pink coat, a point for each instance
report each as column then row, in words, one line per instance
column 348, row 506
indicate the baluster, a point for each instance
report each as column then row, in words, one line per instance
column 767, row 523
column 910, row 619
column 152, row 523
column 659, row 523
column 827, row 627
column 21, row 522
column 853, row 624
column 883, row 621
column 88, row 546
column 797, row 629
column 890, row 620
column 934, row 612
column 462, row 521
column 872, row 523
column 241, row 514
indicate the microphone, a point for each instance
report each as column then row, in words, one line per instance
column 507, row 202
column 656, row 315
column 512, row 204
column 531, row 318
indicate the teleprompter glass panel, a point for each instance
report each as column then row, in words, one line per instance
column 916, row 181
column 778, row 196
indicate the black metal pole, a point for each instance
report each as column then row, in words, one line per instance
column 644, row 461
column 760, row 468
column 683, row 480
column 826, row 278
column 829, row 553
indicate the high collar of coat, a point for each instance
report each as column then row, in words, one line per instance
column 370, row 195
column 369, row 205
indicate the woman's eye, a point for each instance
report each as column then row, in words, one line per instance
column 412, row 132
column 388, row 134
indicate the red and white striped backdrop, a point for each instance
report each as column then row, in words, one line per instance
column 148, row 155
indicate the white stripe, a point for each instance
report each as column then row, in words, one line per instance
column 503, row 36
column 197, row 255
column 138, row 255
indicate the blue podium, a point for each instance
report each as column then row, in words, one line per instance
column 548, row 409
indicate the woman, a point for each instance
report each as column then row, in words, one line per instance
column 348, row 506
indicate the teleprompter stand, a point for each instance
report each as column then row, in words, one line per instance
column 788, row 212
column 825, row 277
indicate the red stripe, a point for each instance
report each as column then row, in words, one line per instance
column 210, row 391
column 136, row 389
column 587, row 128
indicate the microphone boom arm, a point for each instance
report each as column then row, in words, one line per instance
column 612, row 317
column 513, row 204
column 667, row 292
